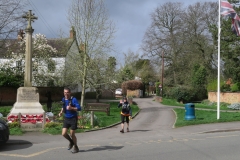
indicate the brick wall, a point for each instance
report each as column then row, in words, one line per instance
column 227, row 97
column 108, row 94
column 56, row 93
column 134, row 93
column 8, row 95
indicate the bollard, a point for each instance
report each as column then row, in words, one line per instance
column 92, row 119
column 44, row 120
column 19, row 118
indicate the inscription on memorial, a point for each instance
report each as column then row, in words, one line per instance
column 28, row 95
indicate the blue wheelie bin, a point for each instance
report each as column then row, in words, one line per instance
column 189, row 111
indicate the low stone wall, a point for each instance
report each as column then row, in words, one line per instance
column 158, row 98
column 227, row 97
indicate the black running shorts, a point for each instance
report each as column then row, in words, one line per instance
column 70, row 122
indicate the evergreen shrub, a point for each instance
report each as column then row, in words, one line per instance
column 234, row 87
column 212, row 86
column 225, row 88
column 181, row 94
column 157, row 88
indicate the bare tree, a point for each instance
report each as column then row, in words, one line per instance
column 101, row 76
column 10, row 18
column 184, row 36
column 198, row 48
column 198, row 19
column 161, row 35
column 130, row 59
column 94, row 31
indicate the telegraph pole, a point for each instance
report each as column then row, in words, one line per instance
column 162, row 72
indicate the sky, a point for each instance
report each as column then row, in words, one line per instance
column 131, row 18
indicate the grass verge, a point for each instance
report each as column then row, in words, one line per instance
column 101, row 119
column 204, row 104
column 15, row 128
column 203, row 116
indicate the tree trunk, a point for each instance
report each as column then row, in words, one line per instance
column 84, row 78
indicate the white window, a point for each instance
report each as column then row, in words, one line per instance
column 51, row 66
column 19, row 65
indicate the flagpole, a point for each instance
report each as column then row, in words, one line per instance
column 218, row 86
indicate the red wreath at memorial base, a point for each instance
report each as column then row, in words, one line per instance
column 28, row 118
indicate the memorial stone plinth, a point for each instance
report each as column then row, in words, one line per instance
column 27, row 110
column 27, row 102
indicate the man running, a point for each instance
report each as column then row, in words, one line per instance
column 70, row 108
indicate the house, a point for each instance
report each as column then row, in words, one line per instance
column 56, row 67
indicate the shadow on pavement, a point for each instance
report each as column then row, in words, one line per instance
column 102, row 148
column 15, row 145
column 140, row 130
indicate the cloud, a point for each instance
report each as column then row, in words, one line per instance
column 132, row 18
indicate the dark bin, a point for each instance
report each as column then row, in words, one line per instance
column 189, row 111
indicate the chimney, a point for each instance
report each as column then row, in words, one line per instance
column 82, row 47
column 20, row 35
column 72, row 33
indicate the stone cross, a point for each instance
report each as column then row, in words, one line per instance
column 30, row 17
column 28, row 56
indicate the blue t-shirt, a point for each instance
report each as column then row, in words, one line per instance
column 74, row 103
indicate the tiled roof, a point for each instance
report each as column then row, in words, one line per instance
column 61, row 45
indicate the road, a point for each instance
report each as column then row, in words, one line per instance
column 152, row 136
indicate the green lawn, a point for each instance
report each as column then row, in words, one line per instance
column 102, row 120
column 204, row 104
column 114, row 114
column 203, row 116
